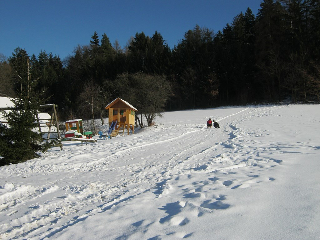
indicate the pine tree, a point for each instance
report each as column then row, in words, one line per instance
column 194, row 75
column 138, row 53
column 271, row 48
column 312, row 10
column 95, row 40
column 20, row 140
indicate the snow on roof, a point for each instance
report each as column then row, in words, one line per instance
column 73, row 120
column 44, row 117
column 119, row 99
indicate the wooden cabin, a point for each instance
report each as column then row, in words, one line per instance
column 123, row 113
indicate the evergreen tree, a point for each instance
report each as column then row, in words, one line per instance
column 20, row 141
column 312, row 84
column 48, row 70
column 138, row 53
column 243, row 57
column 271, row 52
column 94, row 42
column 312, row 13
column 194, row 59
column 294, row 28
column 106, row 45
column 120, row 60
column 224, row 64
column 107, row 57
column 19, row 64
column 159, row 55
column 78, row 71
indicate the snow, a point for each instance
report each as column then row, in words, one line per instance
column 257, row 177
column 74, row 120
column 5, row 102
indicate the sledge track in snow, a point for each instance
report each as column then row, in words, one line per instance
column 196, row 149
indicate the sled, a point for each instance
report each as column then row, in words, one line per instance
column 86, row 140
column 102, row 136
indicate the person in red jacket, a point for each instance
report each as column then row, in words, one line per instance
column 209, row 123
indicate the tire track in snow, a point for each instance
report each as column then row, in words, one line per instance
column 152, row 170
column 77, row 205
column 187, row 153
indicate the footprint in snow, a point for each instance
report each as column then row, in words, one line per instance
column 179, row 221
column 171, row 209
column 233, row 127
column 192, row 195
column 200, row 168
column 227, row 183
column 217, row 205
column 214, row 179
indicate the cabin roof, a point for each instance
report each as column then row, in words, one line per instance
column 120, row 103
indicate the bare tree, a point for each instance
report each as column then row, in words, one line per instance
column 148, row 93
column 91, row 102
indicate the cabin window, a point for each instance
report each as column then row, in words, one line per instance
column 115, row 112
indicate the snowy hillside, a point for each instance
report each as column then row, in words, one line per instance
column 257, row 177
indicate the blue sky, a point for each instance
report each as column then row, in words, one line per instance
column 58, row 26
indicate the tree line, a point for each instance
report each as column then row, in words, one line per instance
column 270, row 57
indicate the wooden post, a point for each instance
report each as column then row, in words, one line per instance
column 50, row 124
column 92, row 112
column 128, row 120
column 119, row 115
column 56, row 118
column 110, row 116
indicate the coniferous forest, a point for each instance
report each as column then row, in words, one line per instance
column 271, row 57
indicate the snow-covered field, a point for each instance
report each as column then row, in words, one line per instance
column 257, row 177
